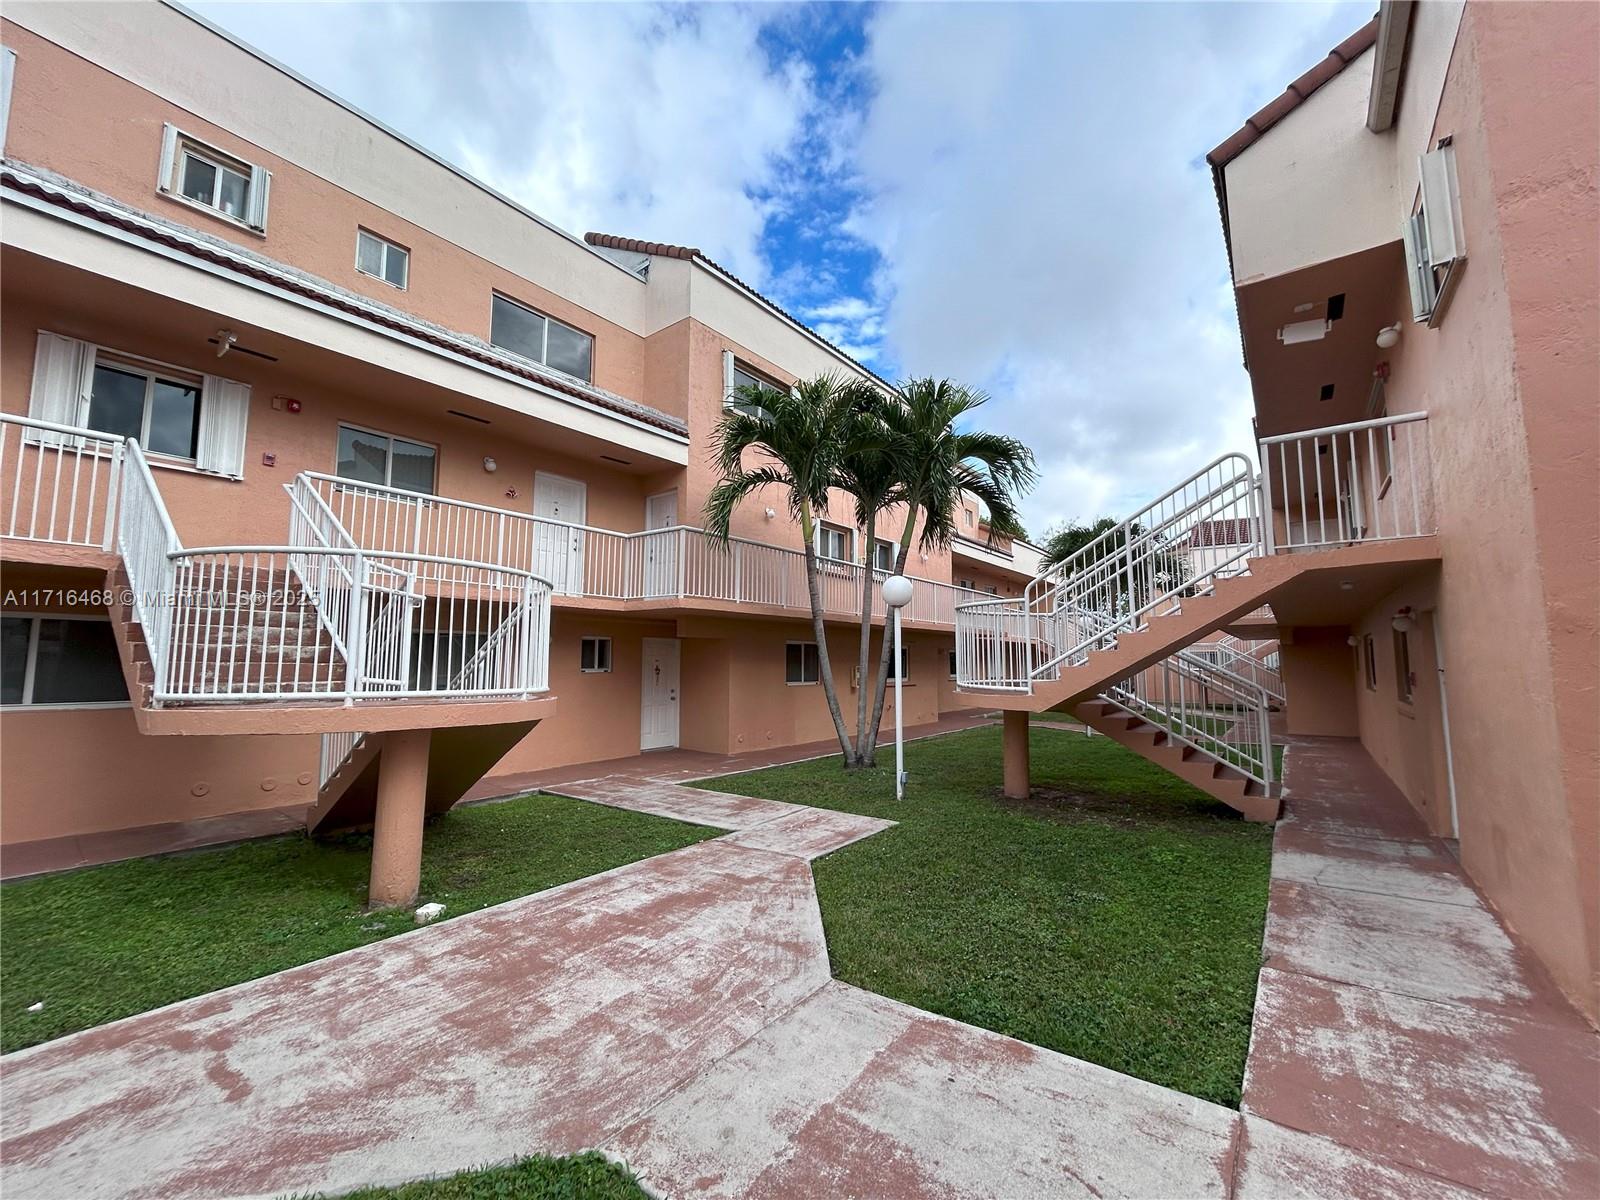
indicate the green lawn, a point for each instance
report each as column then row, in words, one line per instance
column 1116, row 916
column 110, row 941
column 581, row 1177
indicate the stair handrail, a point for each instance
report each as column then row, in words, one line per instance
column 1252, row 756
column 148, row 543
column 1126, row 574
column 1244, row 664
column 306, row 533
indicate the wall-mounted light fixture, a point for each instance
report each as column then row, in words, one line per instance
column 770, row 513
column 490, row 465
column 1402, row 621
column 1389, row 337
column 1352, row 640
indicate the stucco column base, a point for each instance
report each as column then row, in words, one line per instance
column 1015, row 751
column 397, row 823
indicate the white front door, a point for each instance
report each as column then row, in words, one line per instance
column 661, row 549
column 558, row 550
column 658, row 708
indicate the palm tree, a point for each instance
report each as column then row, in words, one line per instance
column 1163, row 567
column 874, row 475
column 940, row 465
column 797, row 441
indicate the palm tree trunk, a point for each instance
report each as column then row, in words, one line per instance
column 819, row 631
column 870, row 738
column 863, row 746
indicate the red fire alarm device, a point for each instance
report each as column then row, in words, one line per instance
column 292, row 404
column 269, row 460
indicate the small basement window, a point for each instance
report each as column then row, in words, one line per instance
column 59, row 661
column 801, row 664
column 594, row 655
column 382, row 259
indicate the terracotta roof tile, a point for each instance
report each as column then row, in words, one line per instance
column 1226, row 531
column 65, row 193
column 1340, row 57
column 667, row 250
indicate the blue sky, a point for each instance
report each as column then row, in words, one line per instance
column 1012, row 195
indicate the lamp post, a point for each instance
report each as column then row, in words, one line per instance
column 896, row 595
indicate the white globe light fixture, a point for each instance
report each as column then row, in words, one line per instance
column 896, row 595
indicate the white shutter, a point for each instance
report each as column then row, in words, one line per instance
column 1441, row 206
column 169, row 157
column 63, row 373
column 1419, row 275
column 260, row 185
column 224, row 412
column 727, row 378
column 8, row 71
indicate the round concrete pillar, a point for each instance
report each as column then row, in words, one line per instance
column 397, row 823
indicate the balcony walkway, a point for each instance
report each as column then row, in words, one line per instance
column 679, row 1012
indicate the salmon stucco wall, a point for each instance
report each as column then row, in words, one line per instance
column 55, row 789
column 1509, row 380
column 1319, row 677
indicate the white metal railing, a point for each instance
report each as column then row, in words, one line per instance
column 58, row 483
column 1202, row 705
column 1255, row 661
column 1138, row 569
column 323, row 618
column 336, row 747
column 674, row 563
column 147, row 541
column 1362, row 482
column 245, row 625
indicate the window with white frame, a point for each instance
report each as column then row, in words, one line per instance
column 952, row 664
column 382, row 259
column 368, row 456
column 968, row 518
column 883, row 555
column 1435, row 242
column 532, row 334
column 47, row 660
column 801, row 664
column 158, row 408
column 905, row 666
column 737, row 376
column 1369, row 658
column 594, row 655
column 203, row 175
column 173, row 413
column 835, row 542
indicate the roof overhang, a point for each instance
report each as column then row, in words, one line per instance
column 124, row 253
column 1394, row 26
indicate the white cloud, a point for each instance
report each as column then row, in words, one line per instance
column 666, row 123
column 1049, row 232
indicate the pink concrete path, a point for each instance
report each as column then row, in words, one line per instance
column 679, row 1012
column 1397, row 1024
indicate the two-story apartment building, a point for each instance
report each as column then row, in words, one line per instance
column 393, row 483
column 1414, row 236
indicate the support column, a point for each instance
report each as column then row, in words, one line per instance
column 397, row 823
column 1015, row 750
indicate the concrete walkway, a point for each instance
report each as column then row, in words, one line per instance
column 679, row 1012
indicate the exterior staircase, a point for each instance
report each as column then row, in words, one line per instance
column 322, row 635
column 1111, row 633
column 457, row 759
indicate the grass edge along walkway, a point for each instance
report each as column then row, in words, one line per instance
column 106, row 942
column 1117, row 916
